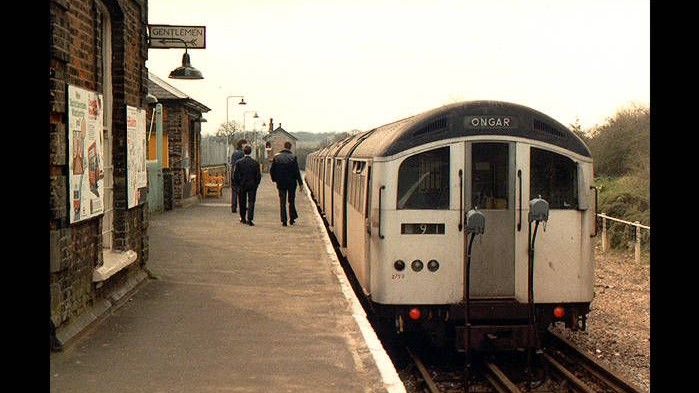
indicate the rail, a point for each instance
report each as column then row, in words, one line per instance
column 637, row 243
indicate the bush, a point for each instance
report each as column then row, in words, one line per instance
column 621, row 152
column 626, row 199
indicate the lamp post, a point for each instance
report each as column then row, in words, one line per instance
column 254, row 137
column 228, row 142
column 254, row 116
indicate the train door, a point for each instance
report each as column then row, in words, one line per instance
column 490, row 187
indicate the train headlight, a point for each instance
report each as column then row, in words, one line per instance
column 417, row 265
column 432, row 265
column 399, row 265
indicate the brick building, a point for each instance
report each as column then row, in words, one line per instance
column 181, row 140
column 274, row 141
column 98, row 220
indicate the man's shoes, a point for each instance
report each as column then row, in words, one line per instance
column 242, row 221
column 283, row 224
column 234, row 210
column 292, row 222
column 251, row 223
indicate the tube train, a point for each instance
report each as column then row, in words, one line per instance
column 403, row 199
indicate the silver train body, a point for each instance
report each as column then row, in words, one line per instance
column 395, row 198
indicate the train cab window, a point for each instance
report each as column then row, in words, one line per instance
column 489, row 178
column 423, row 181
column 553, row 176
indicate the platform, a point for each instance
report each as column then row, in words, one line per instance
column 233, row 308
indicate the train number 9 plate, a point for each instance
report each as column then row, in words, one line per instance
column 422, row 229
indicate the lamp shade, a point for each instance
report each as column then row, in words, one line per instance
column 186, row 71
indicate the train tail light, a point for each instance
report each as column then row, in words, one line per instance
column 414, row 313
column 559, row 312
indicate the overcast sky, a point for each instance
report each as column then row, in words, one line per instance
column 339, row 65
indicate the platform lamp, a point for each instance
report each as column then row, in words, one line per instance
column 185, row 71
column 228, row 142
column 254, row 116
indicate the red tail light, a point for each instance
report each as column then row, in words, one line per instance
column 414, row 313
column 559, row 312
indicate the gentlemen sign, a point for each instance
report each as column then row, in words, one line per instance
column 168, row 36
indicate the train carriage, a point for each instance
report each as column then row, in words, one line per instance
column 400, row 196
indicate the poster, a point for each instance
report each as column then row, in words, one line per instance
column 136, row 175
column 85, row 160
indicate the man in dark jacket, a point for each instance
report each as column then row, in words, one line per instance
column 237, row 155
column 285, row 172
column 247, row 176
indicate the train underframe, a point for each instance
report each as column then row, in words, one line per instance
column 494, row 325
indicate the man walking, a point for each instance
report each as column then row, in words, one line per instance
column 285, row 172
column 247, row 177
column 237, row 155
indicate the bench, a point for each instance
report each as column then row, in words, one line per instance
column 212, row 185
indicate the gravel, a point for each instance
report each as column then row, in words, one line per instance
column 618, row 325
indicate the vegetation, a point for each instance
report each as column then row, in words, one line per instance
column 621, row 151
column 309, row 142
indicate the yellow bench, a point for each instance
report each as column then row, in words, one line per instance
column 212, row 185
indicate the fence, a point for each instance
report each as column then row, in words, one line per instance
column 213, row 152
column 637, row 234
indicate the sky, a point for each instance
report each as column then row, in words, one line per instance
column 344, row 65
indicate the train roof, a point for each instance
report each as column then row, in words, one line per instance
column 463, row 119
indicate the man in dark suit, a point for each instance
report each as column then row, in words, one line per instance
column 285, row 172
column 237, row 155
column 247, row 176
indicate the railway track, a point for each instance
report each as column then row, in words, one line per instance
column 560, row 367
column 581, row 369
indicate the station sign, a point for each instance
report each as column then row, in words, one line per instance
column 169, row 36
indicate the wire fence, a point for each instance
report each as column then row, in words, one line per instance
column 634, row 234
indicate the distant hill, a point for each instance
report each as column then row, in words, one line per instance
column 311, row 139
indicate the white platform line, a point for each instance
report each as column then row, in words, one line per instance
column 388, row 371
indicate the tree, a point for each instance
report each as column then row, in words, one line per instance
column 577, row 130
column 622, row 144
column 228, row 132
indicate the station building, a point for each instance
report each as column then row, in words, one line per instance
column 98, row 218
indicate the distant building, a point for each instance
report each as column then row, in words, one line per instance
column 275, row 141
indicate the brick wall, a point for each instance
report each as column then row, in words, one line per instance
column 76, row 44
column 277, row 141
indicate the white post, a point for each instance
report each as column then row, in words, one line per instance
column 604, row 233
column 637, row 247
column 159, row 135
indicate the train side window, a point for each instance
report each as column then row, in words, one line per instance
column 554, row 177
column 423, row 181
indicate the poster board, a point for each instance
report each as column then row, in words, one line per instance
column 85, row 155
column 136, row 175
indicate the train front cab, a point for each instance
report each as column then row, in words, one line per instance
column 498, row 177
